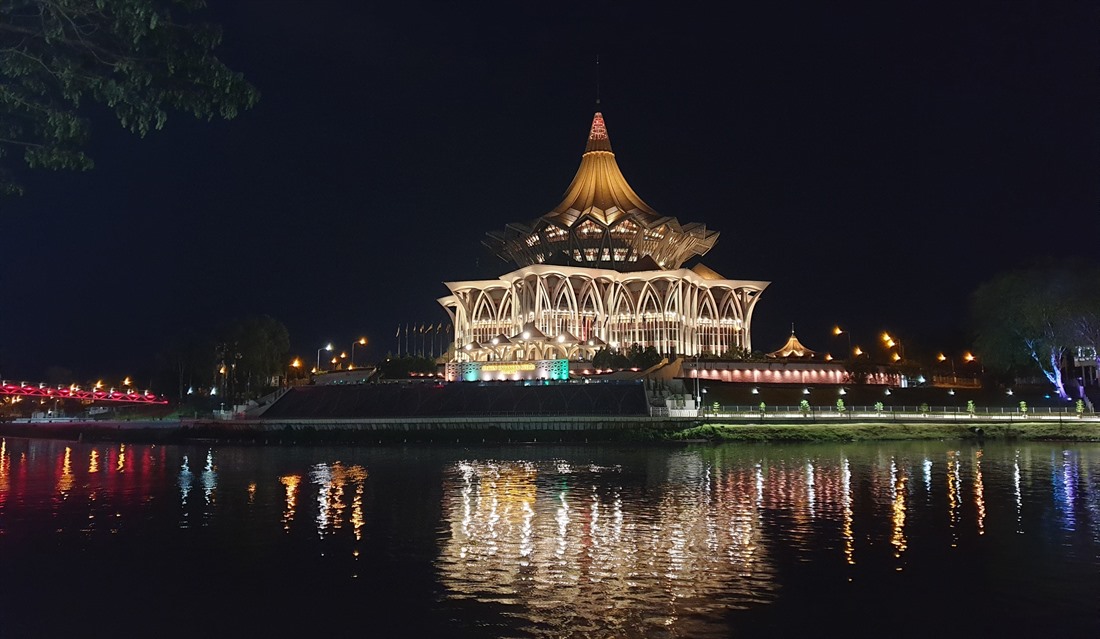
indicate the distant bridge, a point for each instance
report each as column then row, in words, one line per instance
column 23, row 389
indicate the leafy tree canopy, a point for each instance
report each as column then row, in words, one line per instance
column 1029, row 318
column 139, row 58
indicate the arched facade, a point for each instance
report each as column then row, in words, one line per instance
column 569, row 313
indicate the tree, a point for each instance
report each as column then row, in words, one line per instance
column 260, row 352
column 648, row 358
column 1030, row 317
column 406, row 366
column 140, row 59
column 1085, row 308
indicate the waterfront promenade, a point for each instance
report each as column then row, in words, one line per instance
column 776, row 426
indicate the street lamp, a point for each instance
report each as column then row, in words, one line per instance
column 362, row 341
column 970, row 357
column 941, row 357
column 891, row 342
column 698, row 397
column 837, row 331
column 326, row 347
column 295, row 366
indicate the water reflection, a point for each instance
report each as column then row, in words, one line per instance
column 543, row 535
column 332, row 481
column 578, row 543
column 979, row 493
column 290, row 483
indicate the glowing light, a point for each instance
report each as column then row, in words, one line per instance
column 941, row 357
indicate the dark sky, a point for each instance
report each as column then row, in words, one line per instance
column 874, row 161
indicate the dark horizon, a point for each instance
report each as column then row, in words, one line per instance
column 875, row 165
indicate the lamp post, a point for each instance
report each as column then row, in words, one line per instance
column 970, row 357
column 941, row 357
column 295, row 366
column 891, row 342
column 362, row 341
column 698, row 397
column 837, row 331
column 326, row 347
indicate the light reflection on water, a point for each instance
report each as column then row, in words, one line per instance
column 582, row 542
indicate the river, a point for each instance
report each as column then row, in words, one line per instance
column 899, row 539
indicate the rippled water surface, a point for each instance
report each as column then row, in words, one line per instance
column 860, row 540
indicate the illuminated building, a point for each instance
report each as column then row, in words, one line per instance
column 601, row 269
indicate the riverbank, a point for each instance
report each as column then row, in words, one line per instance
column 552, row 430
column 1066, row 430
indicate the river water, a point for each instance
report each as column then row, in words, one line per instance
column 909, row 539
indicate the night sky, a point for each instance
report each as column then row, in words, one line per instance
column 875, row 161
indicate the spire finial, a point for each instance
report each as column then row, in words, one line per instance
column 597, row 79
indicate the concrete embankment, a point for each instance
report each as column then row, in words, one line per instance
column 547, row 429
column 492, row 428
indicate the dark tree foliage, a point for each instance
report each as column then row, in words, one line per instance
column 1029, row 319
column 244, row 359
column 406, row 366
column 258, row 348
column 634, row 356
column 141, row 59
column 188, row 362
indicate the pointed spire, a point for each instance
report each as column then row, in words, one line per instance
column 597, row 136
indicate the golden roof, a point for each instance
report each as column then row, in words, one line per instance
column 599, row 187
column 793, row 348
column 706, row 272
column 601, row 222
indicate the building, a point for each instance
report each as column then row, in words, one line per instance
column 602, row 269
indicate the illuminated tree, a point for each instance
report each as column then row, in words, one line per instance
column 141, row 59
column 1032, row 317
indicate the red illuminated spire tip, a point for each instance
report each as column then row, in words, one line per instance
column 597, row 136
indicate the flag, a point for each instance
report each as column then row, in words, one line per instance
column 421, row 328
column 439, row 327
column 398, row 331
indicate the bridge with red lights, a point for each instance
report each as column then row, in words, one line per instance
column 43, row 391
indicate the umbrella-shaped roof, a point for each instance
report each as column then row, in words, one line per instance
column 602, row 222
column 793, row 348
